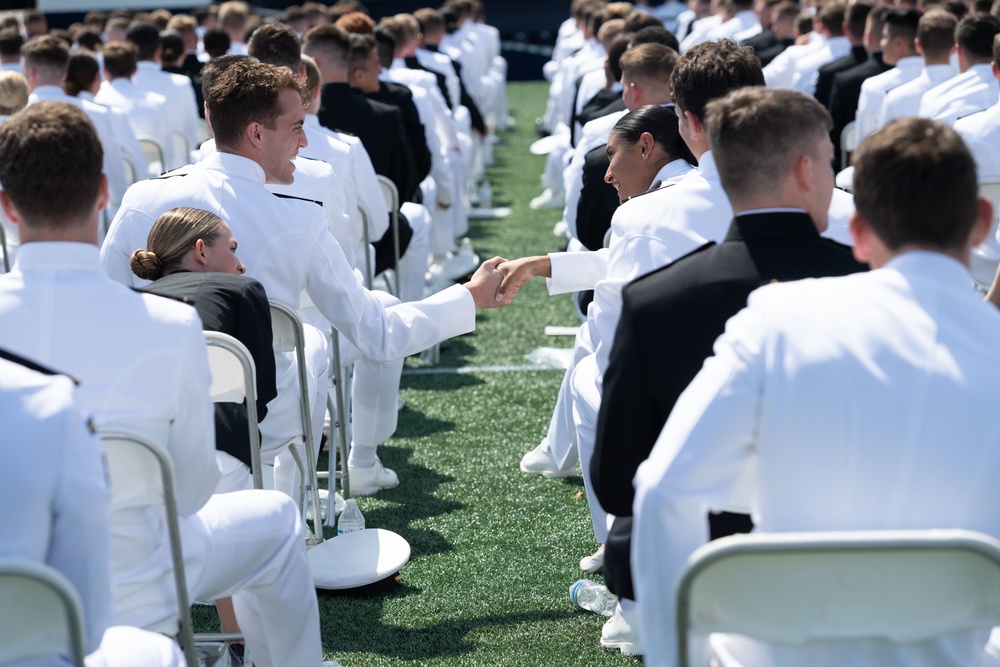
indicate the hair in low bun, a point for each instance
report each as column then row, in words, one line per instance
column 146, row 265
column 172, row 237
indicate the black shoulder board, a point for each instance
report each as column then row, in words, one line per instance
column 350, row 134
column 311, row 201
column 31, row 365
column 662, row 187
column 313, row 159
column 168, row 174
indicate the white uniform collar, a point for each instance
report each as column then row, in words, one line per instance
column 48, row 93
column 235, row 165
column 312, row 120
column 673, row 171
column 706, row 166
column 910, row 63
column 942, row 268
column 148, row 65
column 59, row 256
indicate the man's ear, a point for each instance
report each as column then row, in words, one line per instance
column 694, row 125
column 8, row 208
column 984, row 217
column 103, row 195
column 253, row 134
column 862, row 234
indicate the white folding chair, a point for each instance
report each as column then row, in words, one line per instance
column 339, row 439
column 142, row 475
column 369, row 269
column 40, row 613
column 153, row 152
column 793, row 588
column 848, row 143
column 289, row 336
column 986, row 256
column 181, row 148
column 391, row 196
column 234, row 380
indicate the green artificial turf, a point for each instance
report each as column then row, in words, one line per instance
column 494, row 550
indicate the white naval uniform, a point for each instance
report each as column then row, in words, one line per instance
column 963, row 95
column 875, row 89
column 145, row 110
column 745, row 21
column 858, row 403
column 124, row 135
column 142, row 364
column 647, row 232
column 285, row 245
column 781, row 72
column 593, row 134
column 54, row 476
column 587, row 269
column 700, row 30
column 183, row 107
column 981, row 132
column 807, row 67
column 904, row 100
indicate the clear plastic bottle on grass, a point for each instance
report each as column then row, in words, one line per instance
column 351, row 519
column 592, row 596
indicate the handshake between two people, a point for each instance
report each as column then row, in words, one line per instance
column 497, row 281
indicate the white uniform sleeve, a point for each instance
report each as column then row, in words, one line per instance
column 576, row 271
column 122, row 240
column 704, row 459
column 81, row 521
column 379, row 332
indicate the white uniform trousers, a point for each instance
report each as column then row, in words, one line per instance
column 586, row 399
column 124, row 646
column 561, row 435
column 250, row 545
column 556, row 162
column 413, row 264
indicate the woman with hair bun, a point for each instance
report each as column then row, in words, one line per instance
column 190, row 255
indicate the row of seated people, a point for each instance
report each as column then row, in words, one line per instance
column 152, row 375
column 677, row 214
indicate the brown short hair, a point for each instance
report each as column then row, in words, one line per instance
column 756, row 133
column 173, row 235
column 936, row 32
column 709, row 71
column 856, row 17
column 52, row 164
column 356, row 22
column 276, row 44
column 649, row 64
column 915, row 183
column 430, row 20
column 361, row 47
column 831, row 16
column 46, row 53
column 248, row 91
column 332, row 42
column 120, row 59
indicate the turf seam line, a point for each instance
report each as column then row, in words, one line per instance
column 446, row 370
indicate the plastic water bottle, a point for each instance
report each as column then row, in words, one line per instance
column 486, row 195
column 592, row 596
column 351, row 519
column 465, row 247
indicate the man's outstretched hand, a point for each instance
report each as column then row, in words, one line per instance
column 485, row 284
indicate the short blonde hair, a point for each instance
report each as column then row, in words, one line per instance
column 13, row 92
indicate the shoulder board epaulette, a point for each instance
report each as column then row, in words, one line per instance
column 662, row 187
column 168, row 174
column 311, row 201
column 350, row 134
column 31, row 365
column 313, row 159
column 972, row 114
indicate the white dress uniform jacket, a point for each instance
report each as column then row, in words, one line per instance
column 745, row 21
column 183, row 107
column 904, row 101
column 963, row 95
column 981, row 132
column 875, row 89
column 285, row 245
column 857, row 403
column 55, row 476
column 142, row 364
column 146, row 111
column 807, row 67
column 780, row 72
column 594, row 134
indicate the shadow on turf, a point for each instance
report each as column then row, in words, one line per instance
column 442, row 639
column 417, row 493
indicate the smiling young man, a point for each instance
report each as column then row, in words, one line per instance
column 256, row 112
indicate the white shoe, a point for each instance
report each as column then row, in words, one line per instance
column 622, row 632
column 539, row 461
column 548, row 199
column 371, row 480
column 594, row 563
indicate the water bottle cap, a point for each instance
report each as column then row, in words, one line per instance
column 352, row 501
column 574, row 588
